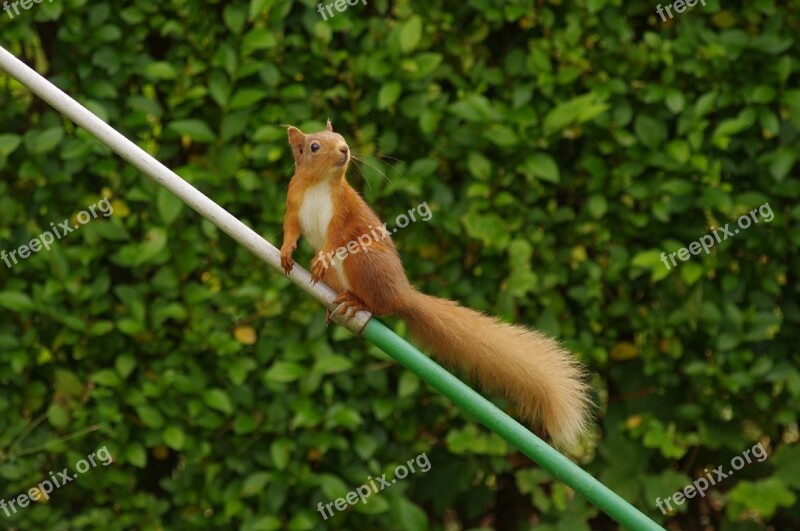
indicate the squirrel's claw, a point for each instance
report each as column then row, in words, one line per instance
column 286, row 259
column 318, row 268
column 286, row 263
column 347, row 305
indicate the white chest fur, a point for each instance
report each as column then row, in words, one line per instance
column 315, row 214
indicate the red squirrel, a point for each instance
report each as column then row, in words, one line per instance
column 541, row 379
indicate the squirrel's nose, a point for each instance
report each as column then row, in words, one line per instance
column 344, row 150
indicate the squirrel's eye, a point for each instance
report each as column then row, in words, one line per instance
column 314, row 147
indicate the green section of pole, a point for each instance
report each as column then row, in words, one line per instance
column 508, row 428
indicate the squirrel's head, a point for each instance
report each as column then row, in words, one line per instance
column 322, row 155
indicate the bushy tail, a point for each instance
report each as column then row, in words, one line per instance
column 543, row 380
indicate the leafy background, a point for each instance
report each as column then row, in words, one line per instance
column 562, row 147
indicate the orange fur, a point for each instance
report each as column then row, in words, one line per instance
column 543, row 380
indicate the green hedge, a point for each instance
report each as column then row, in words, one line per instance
column 562, row 147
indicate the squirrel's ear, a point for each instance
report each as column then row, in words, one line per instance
column 329, row 126
column 296, row 138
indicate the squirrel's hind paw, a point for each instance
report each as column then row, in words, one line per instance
column 347, row 305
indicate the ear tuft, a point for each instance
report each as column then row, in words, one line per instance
column 296, row 138
column 329, row 126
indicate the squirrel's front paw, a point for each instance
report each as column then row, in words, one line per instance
column 318, row 267
column 286, row 259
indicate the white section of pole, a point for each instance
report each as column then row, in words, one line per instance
column 171, row 181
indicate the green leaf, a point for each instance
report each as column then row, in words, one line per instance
column 332, row 486
column 786, row 462
column 160, row 70
column 409, row 516
column 280, row 451
column 174, row 437
column 691, row 272
column 106, row 377
column 125, row 364
column 665, row 438
column 490, row 229
column 472, row 440
column 791, row 98
column 651, row 132
column 16, row 301
column 426, row 63
column 259, row 39
column 219, row 87
column 678, row 187
column 542, row 166
column 389, row 94
column 46, row 140
column 501, row 135
column 9, row 143
column 782, row 162
column 422, row 168
column 376, row 505
column 675, row 101
column 597, row 206
column 762, row 497
column 332, row 364
column 68, row 383
column 247, row 97
column 169, row 206
column 219, row 400
column 257, row 7
column 366, row 445
column 479, row 166
column 58, row 416
column 664, row 484
column 732, row 126
column 341, row 416
column 101, row 328
column 523, row 280
column 408, row 385
column 233, row 125
column 235, row 17
column 575, row 111
column 679, row 150
column 762, row 94
column 136, row 455
column 284, row 371
column 194, row 129
column 410, row 34
column 151, row 417
column 139, row 253
column 255, row 483
column 651, row 260
column 240, row 368
column 473, row 108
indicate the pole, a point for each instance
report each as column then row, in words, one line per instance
column 371, row 329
